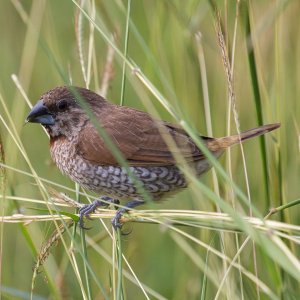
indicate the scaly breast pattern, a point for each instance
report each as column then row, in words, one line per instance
column 114, row 180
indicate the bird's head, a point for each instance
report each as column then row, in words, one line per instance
column 60, row 112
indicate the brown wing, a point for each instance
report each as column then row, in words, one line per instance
column 138, row 137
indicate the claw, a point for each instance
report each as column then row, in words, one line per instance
column 81, row 225
column 117, row 224
column 81, row 222
column 87, row 209
column 116, row 219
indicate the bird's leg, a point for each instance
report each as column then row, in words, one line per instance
column 87, row 209
column 131, row 204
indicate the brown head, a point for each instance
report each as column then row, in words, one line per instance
column 59, row 111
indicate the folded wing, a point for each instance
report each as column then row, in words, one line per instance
column 141, row 140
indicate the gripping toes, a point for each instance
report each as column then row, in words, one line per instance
column 87, row 209
column 116, row 219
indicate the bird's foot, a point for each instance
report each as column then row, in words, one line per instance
column 87, row 209
column 116, row 219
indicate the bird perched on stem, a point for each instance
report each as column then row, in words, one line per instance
column 79, row 150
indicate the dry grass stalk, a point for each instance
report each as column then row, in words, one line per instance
column 108, row 72
column 47, row 246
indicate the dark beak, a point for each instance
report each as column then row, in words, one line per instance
column 40, row 114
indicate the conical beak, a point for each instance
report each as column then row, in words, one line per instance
column 40, row 114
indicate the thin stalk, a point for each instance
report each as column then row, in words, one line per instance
column 258, row 101
column 84, row 251
column 2, row 202
column 232, row 195
column 125, row 52
column 120, row 272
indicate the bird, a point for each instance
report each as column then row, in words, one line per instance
column 80, row 152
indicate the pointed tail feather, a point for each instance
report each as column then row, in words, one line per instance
column 225, row 142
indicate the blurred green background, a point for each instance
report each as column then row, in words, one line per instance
column 39, row 44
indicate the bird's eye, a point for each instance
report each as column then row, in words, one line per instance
column 62, row 105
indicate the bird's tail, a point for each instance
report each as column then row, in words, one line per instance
column 225, row 142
